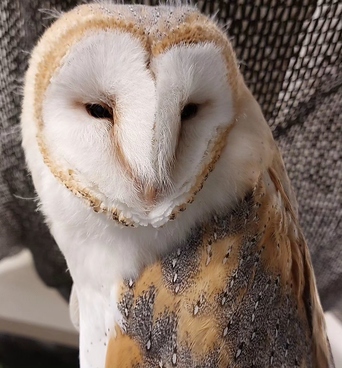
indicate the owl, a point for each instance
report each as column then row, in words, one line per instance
column 160, row 180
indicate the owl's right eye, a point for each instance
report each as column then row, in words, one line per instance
column 99, row 111
column 189, row 111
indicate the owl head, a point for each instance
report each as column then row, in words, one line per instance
column 132, row 108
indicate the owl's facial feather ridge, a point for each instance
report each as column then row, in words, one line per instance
column 156, row 158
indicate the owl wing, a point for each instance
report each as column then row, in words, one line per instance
column 239, row 292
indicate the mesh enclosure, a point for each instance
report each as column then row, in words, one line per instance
column 290, row 56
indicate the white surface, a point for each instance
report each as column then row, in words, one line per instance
column 334, row 330
column 28, row 307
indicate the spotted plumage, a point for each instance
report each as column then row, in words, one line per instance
column 164, row 189
column 250, row 304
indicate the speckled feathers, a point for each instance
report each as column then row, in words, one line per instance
column 233, row 294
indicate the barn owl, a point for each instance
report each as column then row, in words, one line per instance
column 165, row 191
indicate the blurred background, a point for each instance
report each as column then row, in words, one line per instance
column 290, row 55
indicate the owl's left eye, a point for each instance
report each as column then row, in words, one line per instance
column 99, row 111
column 189, row 111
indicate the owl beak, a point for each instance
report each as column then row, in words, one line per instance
column 150, row 193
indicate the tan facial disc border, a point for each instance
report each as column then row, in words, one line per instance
column 196, row 29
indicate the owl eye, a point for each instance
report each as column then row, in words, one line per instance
column 99, row 111
column 189, row 111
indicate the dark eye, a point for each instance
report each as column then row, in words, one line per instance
column 99, row 111
column 189, row 111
